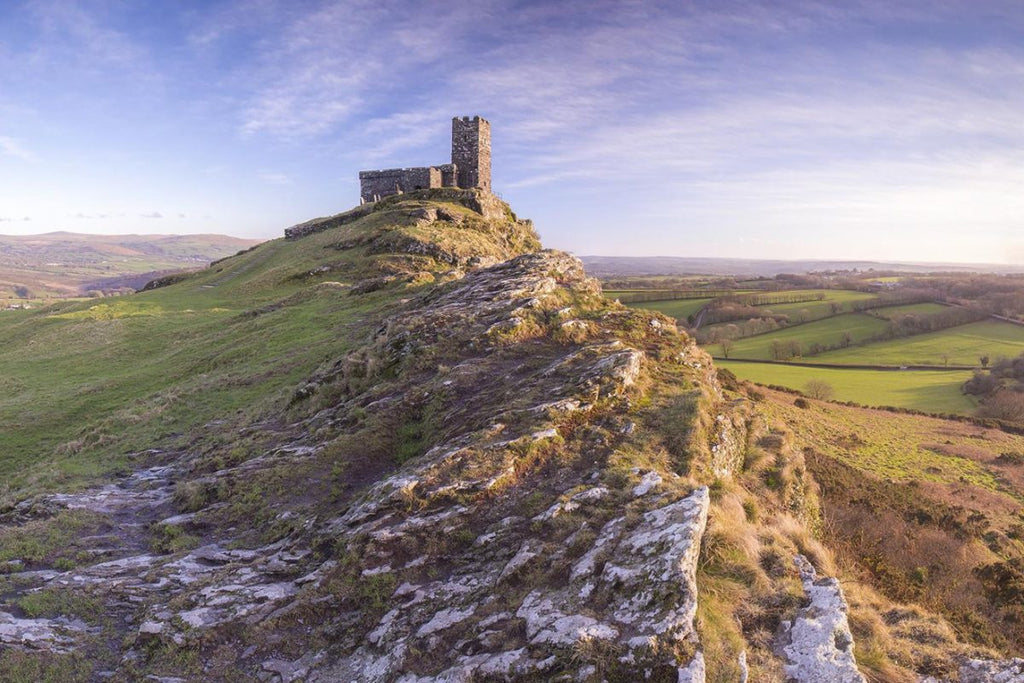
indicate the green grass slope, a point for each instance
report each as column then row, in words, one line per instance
column 86, row 384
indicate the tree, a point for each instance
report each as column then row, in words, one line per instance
column 984, row 361
column 819, row 389
column 726, row 346
column 945, row 359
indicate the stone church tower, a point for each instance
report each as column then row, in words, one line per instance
column 471, row 151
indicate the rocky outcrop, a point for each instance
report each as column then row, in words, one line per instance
column 988, row 671
column 816, row 644
column 486, row 482
column 631, row 593
column 502, row 547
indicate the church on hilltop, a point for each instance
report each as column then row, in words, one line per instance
column 470, row 166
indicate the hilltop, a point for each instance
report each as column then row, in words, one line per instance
column 408, row 444
column 60, row 264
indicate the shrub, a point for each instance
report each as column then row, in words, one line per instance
column 819, row 389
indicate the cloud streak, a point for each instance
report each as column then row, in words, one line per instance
column 12, row 148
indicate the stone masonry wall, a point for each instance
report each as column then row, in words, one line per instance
column 375, row 184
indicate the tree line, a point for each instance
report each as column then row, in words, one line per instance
column 649, row 295
column 1000, row 390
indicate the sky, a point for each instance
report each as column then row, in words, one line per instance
column 855, row 129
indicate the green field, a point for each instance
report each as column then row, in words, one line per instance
column 890, row 312
column 680, row 309
column 812, row 310
column 961, row 345
column 826, row 332
column 929, row 390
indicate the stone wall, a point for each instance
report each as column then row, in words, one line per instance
column 320, row 224
column 376, row 184
column 449, row 175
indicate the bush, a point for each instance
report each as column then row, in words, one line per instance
column 1004, row 405
column 819, row 389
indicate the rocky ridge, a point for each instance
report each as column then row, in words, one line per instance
column 510, row 478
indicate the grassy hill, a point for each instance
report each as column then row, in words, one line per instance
column 411, row 443
column 70, row 264
column 87, row 382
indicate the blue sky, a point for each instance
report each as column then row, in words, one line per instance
column 890, row 130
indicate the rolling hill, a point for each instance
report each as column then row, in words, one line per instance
column 409, row 444
column 60, row 264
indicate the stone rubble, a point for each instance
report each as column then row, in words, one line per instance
column 988, row 671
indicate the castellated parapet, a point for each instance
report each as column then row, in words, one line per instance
column 470, row 167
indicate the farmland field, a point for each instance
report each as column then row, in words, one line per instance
column 929, row 390
column 819, row 309
column 890, row 312
column 962, row 345
column 679, row 309
column 826, row 332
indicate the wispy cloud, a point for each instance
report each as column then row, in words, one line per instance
column 275, row 178
column 12, row 148
column 154, row 214
column 72, row 36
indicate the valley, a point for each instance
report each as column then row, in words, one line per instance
column 38, row 269
column 867, row 345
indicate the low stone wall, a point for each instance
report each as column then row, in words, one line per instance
column 320, row 224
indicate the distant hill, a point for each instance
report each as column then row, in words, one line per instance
column 609, row 266
column 60, row 264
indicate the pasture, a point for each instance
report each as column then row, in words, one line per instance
column 813, row 310
column 936, row 391
column 680, row 309
column 923, row 309
column 827, row 332
column 962, row 345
